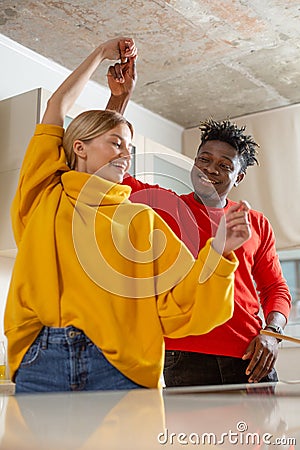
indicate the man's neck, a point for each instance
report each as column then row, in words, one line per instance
column 212, row 202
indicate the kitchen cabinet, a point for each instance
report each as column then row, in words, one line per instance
column 166, row 167
column 18, row 118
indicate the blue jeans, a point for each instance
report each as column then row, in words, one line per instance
column 64, row 359
column 198, row 369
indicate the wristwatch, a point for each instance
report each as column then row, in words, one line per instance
column 276, row 328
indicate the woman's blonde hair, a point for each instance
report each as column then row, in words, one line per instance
column 89, row 125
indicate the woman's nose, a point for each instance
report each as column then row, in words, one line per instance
column 125, row 152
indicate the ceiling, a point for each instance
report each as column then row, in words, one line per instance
column 197, row 58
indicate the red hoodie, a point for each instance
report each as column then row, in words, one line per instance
column 259, row 270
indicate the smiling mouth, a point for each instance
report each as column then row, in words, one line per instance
column 207, row 181
column 119, row 165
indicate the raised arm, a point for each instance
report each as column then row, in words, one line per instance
column 67, row 93
column 121, row 81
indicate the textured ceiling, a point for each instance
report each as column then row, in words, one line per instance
column 220, row 58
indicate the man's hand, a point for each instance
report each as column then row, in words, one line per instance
column 122, row 78
column 262, row 352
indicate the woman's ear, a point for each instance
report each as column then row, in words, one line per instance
column 79, row 149
column 239, row 179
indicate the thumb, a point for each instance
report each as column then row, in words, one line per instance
column 132, row 67
column 249, row 351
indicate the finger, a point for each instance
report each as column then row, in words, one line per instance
column 237, row 219
column 127, row 49
column 241, row 217
column 259, row 365
column 238, row 227
column 249, row 350
column 257, row 372
column 239, row 236
column 132, row 67
column 244, row 205
column 237, row 213
column 262, row 369
column 118, row 72
column 254, row 377
column 254, row 361
column 130, row 48
column 247, row 355
column 112, row 72
column 233, row 208
column 122, row 50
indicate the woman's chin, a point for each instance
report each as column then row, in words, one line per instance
column 114, row 179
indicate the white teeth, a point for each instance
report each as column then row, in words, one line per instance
column 122, row 166
column 206, row 180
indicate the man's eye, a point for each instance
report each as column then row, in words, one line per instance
column 202, row 159
column 225, row 167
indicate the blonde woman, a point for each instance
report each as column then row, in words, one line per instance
column 98, row 282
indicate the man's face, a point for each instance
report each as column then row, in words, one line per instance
column 216, row 170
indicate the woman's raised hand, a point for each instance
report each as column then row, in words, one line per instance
column 119, row 48
column 234, row 229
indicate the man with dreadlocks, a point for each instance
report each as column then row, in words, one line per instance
column 234, row 352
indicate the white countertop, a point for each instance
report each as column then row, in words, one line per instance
column 148, row 419
column 7, row 387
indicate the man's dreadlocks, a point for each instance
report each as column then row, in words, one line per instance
column 229, row 132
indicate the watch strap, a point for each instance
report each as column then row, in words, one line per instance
column 276, row 328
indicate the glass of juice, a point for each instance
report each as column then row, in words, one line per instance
column 2, row 361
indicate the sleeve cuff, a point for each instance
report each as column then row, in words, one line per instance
column 54, row 130
column 215, row 263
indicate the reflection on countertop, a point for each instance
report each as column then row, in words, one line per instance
column 264, row 417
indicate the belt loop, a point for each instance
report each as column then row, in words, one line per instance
column 45, row 338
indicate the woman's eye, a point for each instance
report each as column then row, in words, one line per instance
column 117, row 144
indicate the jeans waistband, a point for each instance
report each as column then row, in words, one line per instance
column 69, row 335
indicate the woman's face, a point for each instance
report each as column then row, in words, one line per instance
column 108, row 155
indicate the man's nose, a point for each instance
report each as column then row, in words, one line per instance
column 212, row 168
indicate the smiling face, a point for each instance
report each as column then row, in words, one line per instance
column 107, row 155
column 216, row 170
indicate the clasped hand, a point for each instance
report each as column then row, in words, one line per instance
column 122, row 75
column 234, row 229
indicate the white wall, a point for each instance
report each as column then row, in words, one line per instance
column 288, row 363
column 23, row 70
column 6, row 266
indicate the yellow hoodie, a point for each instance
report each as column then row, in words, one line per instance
column 88, row 257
